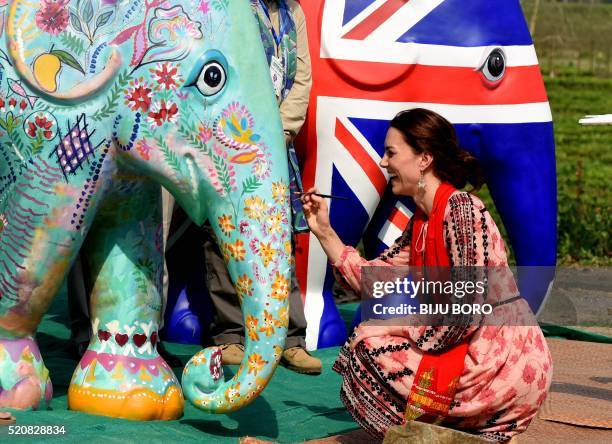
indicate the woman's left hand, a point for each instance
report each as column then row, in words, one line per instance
column 365, row 330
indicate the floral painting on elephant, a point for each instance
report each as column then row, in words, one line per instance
column 101, row 104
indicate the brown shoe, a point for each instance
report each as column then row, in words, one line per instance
column 232, row 354
column 6, row 418
column 300, row 361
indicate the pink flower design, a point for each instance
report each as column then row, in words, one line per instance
column 144, row 149
column 205, row 133
column 501, row 341
column 244, row 227
column 538, row 343
column 541, row 398
column 529, row 374
column 504, row 373
column 542, row 382
column 490, row 333
column 254, row 245
column 53, row 17
column 203, row 7
column 509, row 395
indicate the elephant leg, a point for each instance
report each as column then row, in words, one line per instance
column 24, row 379
column 121, row 374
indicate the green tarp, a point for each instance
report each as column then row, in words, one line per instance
column 293, row 407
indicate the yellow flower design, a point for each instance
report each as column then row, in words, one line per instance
column 244, row 286
column 279, row 192
column 278, row 351
column 255, row 208
column 274, row 223
column 268, row 324
column 198, row 359
column 266, row 252
column 251, row 327
column 283, row 317
column 256, row 363
column 280, row 287
column 225, row 250
column 232, row 393
column 225, row 223
column 237, row 250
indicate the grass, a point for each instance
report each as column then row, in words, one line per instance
column 584, row 169
column 584, row 154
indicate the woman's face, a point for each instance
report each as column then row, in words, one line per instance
column 402, row 164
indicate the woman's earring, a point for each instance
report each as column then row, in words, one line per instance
column 421, row 183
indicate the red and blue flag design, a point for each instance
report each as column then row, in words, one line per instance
column 374, row 58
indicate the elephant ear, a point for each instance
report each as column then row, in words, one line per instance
column 32, row 34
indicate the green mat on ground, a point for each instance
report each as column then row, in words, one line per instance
column 293, row 407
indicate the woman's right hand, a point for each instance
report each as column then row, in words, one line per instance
column 316, row 212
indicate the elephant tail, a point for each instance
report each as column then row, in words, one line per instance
column 21, row 13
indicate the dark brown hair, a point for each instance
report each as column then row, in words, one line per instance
column 427, row 131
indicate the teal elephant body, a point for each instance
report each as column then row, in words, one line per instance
column 101, row 103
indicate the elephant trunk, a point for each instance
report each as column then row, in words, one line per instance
column 203, row 379
column 265, row 306
column 20, row 13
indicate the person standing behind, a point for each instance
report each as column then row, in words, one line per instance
column 283, row 33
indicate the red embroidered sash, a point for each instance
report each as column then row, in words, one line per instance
column 435, row 382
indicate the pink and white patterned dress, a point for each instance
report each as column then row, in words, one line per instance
column 508, row 368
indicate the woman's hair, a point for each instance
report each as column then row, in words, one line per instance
column 427, row 131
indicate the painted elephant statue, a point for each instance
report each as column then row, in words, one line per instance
column 101, row 103
column 473, row 61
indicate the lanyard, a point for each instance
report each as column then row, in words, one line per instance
column 281, row 5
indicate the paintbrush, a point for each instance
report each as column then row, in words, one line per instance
column 321, row 195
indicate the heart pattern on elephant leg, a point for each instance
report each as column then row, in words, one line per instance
column 121, row 339
column 139, row 339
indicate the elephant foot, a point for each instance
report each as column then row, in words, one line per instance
column 24, row 379
column 137, row 388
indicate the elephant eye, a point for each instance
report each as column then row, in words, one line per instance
column 494, row 66
column 211, row 79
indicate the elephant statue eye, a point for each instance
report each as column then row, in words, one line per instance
column 211, row 79
column 494, row 66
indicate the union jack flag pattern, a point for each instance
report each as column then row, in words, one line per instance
column 471, row 61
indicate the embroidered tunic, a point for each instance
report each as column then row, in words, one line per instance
column 508, row 368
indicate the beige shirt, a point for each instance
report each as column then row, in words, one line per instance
column 293, row 108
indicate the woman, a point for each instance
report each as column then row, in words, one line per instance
column 487, row 380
